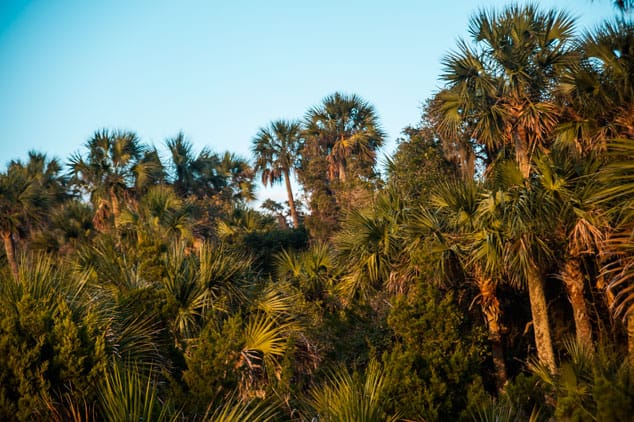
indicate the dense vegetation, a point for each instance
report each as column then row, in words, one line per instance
column 487, row 274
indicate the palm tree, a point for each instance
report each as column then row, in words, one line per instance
column 277, row 152
column 603, row 93
column 238, row 178
column 193, row 175
column 149, row 171
column 501, row 88
column 197, row 283
column 313, row 271
column 229, row 177
column 107, row 172
column 27, row 192
column 569, row 186
column 598, row 90
column 160, row 214
column 344, row 129
column 467, row 248
column 616, row 195
column 368, row 246
column 527, row 227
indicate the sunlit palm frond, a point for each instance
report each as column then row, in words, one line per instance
column 236, row 411
column 350, row 399
column 127, row 395
column 265, row 340
column 274, row 302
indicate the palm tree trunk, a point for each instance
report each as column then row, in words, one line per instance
column 114, row 204
column 573, row 280
column 342, row 172
column 291, row 200
column 629, row 326
column 491, row 309
column 539, row 312
column 522, row 153
column 9, row 247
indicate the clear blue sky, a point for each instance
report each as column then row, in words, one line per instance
column 218, row 70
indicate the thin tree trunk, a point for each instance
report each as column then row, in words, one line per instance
column 9, row 247
column 539, row 312
column 492, row 312
column 573, row 280
column 629, row 326
column 291, row 200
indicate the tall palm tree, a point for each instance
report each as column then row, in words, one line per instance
column 345, row 129
column 568, row 186
column 501, row 87
column 228, row 176
column 106, row 173
column 277, row 152
column 527, row 220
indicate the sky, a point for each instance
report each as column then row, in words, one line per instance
column 219, row 70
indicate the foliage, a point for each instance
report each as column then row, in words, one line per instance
column 347, row 398
column 49, row 343
column 433, row 366
column 126, row 396
column 342, row 136
column 590, row 386
column 141, row 288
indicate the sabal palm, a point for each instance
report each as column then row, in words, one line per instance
column 191, row 174
column 70, row 225
column 187, row 290
column 501, row 87
column 617, row 195
column 465, row 247
column 107, row 171
column 196, row 283
column 160, row 214
column 313, row 271
column 238, row 178
column 276, row 149
column 369, row 245
column 568, row 187
column 345, row 129
column 599, row 89
column 27, row 192
column 526, row 218
column 113, row 274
